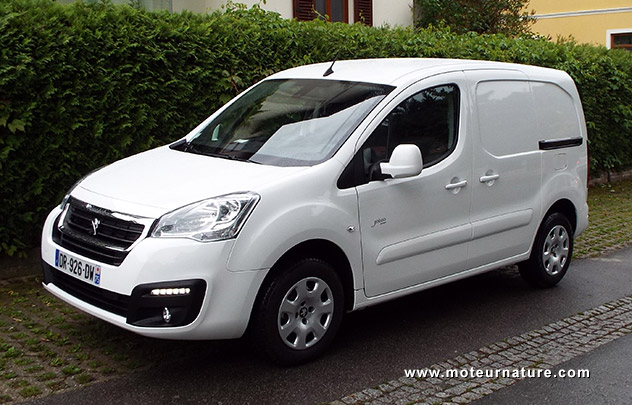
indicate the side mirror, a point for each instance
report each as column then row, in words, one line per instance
column 405, row 161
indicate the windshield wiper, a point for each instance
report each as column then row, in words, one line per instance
column 230, row 157
column 239, row 159
column 197, row 150
column 183, row 146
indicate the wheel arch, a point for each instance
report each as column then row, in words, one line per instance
column 324, row 250
column 566, row 208
column 316, row 248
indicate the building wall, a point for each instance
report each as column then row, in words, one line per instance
column 393, row 13
column 588, row 21
column 150, row 5
column 385, row 12
column 397, row 12
column 283, row 7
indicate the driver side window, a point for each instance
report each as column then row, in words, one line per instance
column 428, row 119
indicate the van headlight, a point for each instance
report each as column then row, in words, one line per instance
column 209, row 220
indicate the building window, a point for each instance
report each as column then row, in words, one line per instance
column 622, row 41
column 335, row 10
column 363, row 12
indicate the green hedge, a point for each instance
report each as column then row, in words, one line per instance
column 83, row 85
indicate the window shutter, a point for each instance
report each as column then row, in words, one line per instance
column 304, row 10
column 363, row 12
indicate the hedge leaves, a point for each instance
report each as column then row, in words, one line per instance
column 84, row 85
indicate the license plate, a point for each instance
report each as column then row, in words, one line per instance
column 78, row 268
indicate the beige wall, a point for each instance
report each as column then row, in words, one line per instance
column 392, row 12
column 585, row 29
column 197, row 6
column 558, row 6
column 588, row 21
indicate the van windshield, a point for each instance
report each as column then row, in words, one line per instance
column 297, row 122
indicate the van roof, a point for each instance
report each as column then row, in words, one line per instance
column 400, row 71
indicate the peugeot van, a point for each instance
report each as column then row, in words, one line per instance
column 324, row 189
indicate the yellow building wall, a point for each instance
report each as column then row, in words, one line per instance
column 560, row 6
column 593, row 24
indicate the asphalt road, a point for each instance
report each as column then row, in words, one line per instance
column 376, row 344
column 609, row 383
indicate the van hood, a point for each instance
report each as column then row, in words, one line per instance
column 167, row 179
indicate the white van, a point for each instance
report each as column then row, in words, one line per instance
column 325, row 189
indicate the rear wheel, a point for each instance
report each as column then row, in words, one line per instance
column 551, row 252
column 300, row 312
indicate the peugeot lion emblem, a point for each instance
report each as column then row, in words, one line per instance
column 95, row 226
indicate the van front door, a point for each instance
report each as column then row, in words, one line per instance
column 417, row 229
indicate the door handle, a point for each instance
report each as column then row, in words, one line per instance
column 456, row 185
column 489, row 178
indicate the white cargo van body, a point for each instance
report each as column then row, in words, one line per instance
column 324, row 189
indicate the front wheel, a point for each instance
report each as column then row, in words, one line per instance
column 300, row 312
column 551, row 253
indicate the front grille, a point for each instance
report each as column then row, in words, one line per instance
column 96, row 233
column 106, row 300
column 111, row 231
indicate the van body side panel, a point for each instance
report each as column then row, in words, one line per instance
column 316, row 210
column 562, row 132
column 506, row 201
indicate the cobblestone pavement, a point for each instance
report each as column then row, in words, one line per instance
column 541, row 349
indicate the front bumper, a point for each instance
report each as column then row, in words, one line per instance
column 217, row 306
column 146, row 306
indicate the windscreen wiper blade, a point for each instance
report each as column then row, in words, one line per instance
column 184, row 146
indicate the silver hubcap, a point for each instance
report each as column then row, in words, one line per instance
column 555, row 252
column 305, row 313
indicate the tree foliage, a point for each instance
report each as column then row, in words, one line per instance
column 507, row 17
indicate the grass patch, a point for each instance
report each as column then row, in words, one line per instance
column 94, row 364
column 56, row 385
column 18, row 384
column 84, row 378
column 47, row 376
column 30, row 391
column 71, row 370
column 34, row 369
column 57, row 362
column 24, row 361
column 610, row 222
column 108, row 371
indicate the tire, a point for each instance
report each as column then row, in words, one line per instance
column 300, row 312
column 551, row 253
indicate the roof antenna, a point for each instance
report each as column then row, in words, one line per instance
column 330, row 69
